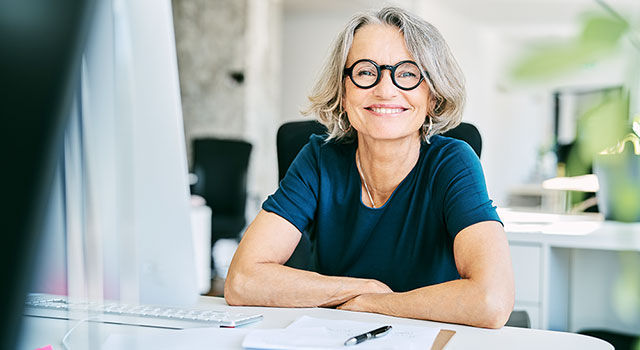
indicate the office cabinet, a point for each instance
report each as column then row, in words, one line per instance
column 526, row 260
column 569, row 270
column 526, row 269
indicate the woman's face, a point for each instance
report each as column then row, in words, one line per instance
column 383, row 112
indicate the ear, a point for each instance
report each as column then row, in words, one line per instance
column 433, row 102
column 439, row 105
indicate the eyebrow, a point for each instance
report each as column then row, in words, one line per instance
column 347, row 64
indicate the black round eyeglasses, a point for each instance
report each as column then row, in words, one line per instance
column 365, row 74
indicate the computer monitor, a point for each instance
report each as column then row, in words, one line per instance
column 40, row 41
column 123, row 176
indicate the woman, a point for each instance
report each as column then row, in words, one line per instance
column 399, row 216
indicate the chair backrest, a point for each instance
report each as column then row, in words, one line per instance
column 292, row 136
column 468, row 133
column 221, row 167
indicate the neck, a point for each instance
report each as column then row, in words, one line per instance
column 384, row 164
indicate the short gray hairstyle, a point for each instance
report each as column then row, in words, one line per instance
column 430, row 51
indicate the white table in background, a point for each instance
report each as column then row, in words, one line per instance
column 567, row 269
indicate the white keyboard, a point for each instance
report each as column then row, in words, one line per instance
column 44, row 305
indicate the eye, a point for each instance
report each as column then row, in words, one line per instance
column 407, row 75
column 366, row 73
column 408, row 71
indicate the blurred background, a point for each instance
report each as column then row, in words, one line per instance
column 247, row 66
column 537, row 72
column 550, row 85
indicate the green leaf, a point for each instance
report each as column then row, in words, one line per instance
column 603, row 31
column 600, row 37
column 553, row 61
column 603, row 126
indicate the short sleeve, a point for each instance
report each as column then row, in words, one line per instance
column 296, row 199
column 465, row 198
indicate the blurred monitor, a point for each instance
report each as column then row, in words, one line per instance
column 118, row 220
column 571, row 107
column 574, row 110
column 39, row 41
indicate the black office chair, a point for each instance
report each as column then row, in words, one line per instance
column 519, row 318
column 221, row 167
column 468, row 133
column 292, row 136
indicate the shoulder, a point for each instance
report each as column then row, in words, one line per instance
column 446, row 149
column 317, row 141
column 320, row 153
column 323, row 148
column 313, row 147
column 450, row 160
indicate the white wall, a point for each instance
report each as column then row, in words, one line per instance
column 306, row 39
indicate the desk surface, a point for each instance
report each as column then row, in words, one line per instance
column 39, row 332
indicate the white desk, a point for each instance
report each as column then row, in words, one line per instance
column 570, row 269
column 39, row 332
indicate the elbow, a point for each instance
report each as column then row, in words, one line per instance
column 233, row 289
column 495, row 318
column 497, row 307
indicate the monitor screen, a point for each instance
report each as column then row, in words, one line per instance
column 119, row 213
column 40, row 41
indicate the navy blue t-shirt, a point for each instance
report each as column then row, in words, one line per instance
column 408, row 242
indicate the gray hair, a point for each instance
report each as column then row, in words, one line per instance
column 430, row 51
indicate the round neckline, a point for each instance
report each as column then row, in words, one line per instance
column 356, row 173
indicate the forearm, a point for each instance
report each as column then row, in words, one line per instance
column 272, row 284
column 462, row 301
column 257, row 275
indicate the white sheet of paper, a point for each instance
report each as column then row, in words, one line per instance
column 169, row 339
column 315, row 334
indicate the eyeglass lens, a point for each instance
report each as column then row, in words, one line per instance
column 405, row 75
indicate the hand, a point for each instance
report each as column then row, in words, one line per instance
column 363, row 302
column 375, row 287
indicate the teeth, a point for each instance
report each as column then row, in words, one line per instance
column 387, row 110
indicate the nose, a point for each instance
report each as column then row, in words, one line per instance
column 385, row 87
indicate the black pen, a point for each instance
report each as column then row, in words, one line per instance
column 376, row 333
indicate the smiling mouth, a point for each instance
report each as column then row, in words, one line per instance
column 381, row 110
